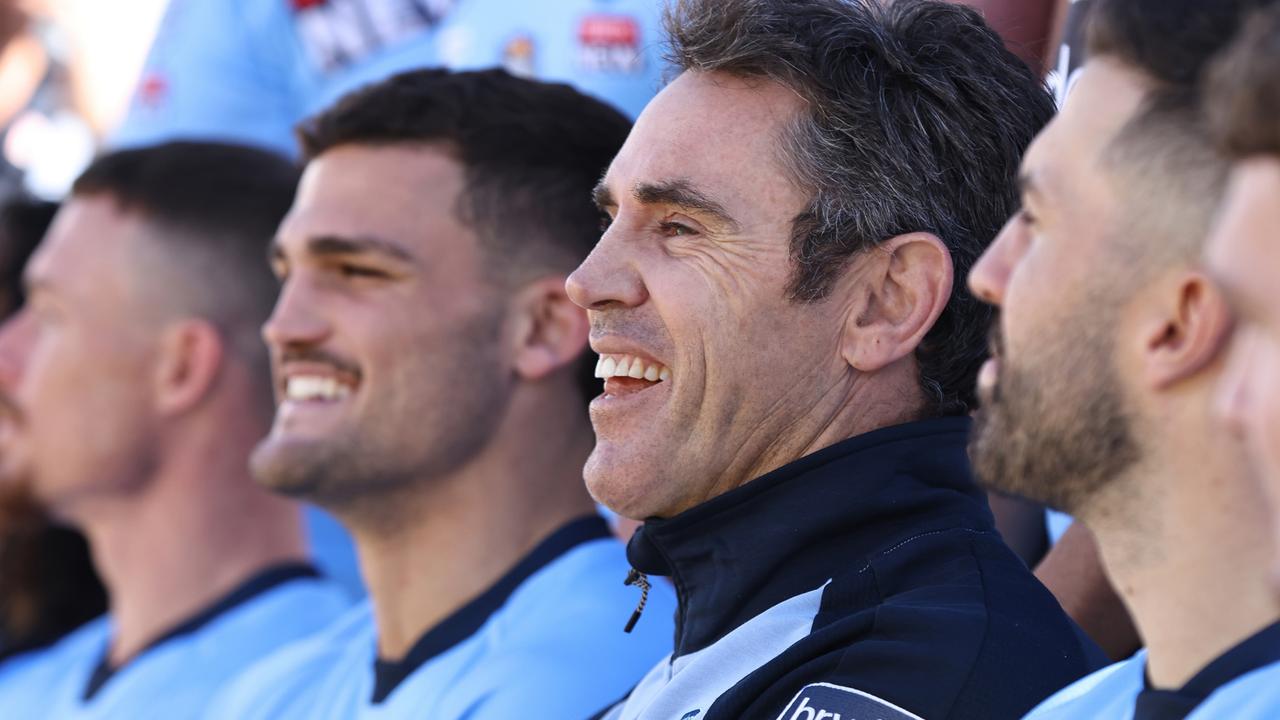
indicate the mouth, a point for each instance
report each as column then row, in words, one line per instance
column 628, row 374
column 311, row 392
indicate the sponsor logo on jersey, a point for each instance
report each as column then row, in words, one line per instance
column 824, row 701
column 610, row 43
column 519, row 56
column 337, row 33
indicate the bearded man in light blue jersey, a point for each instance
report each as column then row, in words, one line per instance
column 1098, row 400
column 431, row 373
column 140, row 390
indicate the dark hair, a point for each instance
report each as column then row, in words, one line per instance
column 917, row 120
column 1243, row 91
column 1172, row 41
column 1170, row 171
column 215, row 208
column 23, row 224
column 531, row 153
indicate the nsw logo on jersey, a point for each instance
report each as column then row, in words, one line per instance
column 823, row 701
column 337, row 33
column 609, row 43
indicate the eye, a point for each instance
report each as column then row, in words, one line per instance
column 348, row 270
column 605, row 221
column 1025, row 217
column 674, row 229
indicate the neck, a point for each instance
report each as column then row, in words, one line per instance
column 431, row 547
column 1185, row 541
column 196, row 532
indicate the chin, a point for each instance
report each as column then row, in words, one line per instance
column 287, row 468
column 627, row 488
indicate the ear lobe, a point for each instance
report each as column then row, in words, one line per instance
column 1192, row 337
column 189, row 360
column 551, row 331
column 900, row 290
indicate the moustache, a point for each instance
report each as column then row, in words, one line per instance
column 320, row 357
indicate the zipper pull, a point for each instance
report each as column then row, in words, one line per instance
column 637, row 578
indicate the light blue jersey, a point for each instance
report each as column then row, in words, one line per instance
column 1255, row 696
column 1108, row 694
column 248, row 70
column 545, row 642
column 176, row 676
column 1230, row 686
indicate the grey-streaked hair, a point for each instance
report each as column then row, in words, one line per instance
column 917, row 118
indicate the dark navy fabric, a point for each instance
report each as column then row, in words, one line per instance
column 923, row 607
column 1257, row 651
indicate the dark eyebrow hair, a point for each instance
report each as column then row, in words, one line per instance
column 327, row 245
column 682, row 194
column 602, row 196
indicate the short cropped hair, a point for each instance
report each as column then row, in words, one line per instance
column 916, row 120
column 1171, row 174
column 531, row 153
column 1243, row 90
column 215, row 208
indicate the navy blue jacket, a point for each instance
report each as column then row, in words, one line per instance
column 864, row 580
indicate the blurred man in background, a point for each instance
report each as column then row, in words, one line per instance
column 47, row 583
column 141, row 387
column 429, row 366
column 251, row 69
column 1243, row 104
column 1098, row 399
column 788, row 357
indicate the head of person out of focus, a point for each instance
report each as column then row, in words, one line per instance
column 131, row 353
column 422, row 321
column 1243, row 253
column 782, row 266
column 47, row 582
column 1104, row 353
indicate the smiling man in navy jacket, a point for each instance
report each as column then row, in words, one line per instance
column 789, row 357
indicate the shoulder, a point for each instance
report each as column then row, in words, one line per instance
column 1254, row 696
column 1107, row 693
column 300, row 670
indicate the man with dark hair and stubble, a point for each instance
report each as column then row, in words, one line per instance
column 430, row 368
column 141, row 388
column 788, row 355
column 1242, row 101
column 1098, row 400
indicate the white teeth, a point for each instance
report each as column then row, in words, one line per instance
column 314, row 387
column 630, row 366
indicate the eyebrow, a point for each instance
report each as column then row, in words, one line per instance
column 330, row 245
column 680, row 193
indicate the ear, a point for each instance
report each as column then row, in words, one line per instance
column 550, row 330
column 1186, row 333
column 190, row 357
column 899, row 291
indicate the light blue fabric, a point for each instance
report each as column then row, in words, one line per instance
column 554, row 650
column 333, row 551
column 1108, row 694
column 178, row 677
column 248, row 70
column 1056, row 524
column 1255, row 696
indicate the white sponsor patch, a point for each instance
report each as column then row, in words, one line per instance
column 824, row 701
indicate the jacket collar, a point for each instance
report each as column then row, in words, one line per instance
column 793, row 529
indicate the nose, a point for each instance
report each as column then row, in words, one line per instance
column 1231, row 399
column 990, row 275
column 608, row 277
column 16, row 334
column 296, row 318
